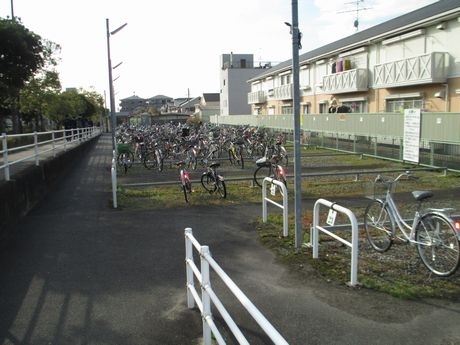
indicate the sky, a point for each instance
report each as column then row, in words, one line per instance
column 173, row 47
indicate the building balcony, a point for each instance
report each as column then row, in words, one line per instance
column 423, row 69
column 282, row 92
column 352, row 80
column 257, row 97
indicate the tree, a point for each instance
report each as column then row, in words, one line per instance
column 22, row 54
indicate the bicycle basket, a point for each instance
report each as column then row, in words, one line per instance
column 377, row 190
column 122, row 148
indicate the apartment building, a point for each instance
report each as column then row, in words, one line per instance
column 412, row 61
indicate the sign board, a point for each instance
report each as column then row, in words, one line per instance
column 411, row 141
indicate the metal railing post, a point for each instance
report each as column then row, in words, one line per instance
column 206, row 283
column 114, row 180
column 189, row 271
column 5, row 156
column 37, row 161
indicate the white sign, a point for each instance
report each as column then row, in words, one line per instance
column 411, row 135
column 331, row 217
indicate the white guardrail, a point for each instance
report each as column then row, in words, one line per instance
column 283, row 190
column 41, row 145
column 208, row 295
column 354, row 234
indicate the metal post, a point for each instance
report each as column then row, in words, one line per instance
column 111, row 95
column 296, row 109
column 111, row 92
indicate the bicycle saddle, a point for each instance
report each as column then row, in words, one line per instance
column 214, row 165
column 420, row 195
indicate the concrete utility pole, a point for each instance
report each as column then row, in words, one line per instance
column 296, row 45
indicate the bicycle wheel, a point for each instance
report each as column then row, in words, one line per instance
column 149, row 161
column 208, row 182
column 222, row 188
column 379, row 226
column 437, row 244
column 261, row 172
column 240, row 158
column 125, row 158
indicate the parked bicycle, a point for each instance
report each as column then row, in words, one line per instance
column 186, row 184
column 435, row 233
column 153, row 157
column 235, row 153
column 268, row 166
column 125, row 157
column 212, row 181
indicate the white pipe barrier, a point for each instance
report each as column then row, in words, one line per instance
column 284, row 206
column 114, row 179
column 354, row 235
column 208, row 296
column 42, row 146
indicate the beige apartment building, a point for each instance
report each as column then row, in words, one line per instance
column 412, row 61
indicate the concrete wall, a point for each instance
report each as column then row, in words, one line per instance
column 27, row 187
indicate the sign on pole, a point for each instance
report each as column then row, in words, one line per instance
column 411, row 141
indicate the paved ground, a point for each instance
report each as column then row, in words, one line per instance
column 80, row 272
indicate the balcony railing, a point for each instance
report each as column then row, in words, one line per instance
column 257, row 97
column 423, row 69
column 283, row 92
column 347, row 81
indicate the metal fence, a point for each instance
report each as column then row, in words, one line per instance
column 30, row 148
column 377, row 134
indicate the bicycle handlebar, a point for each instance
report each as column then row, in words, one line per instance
column 407, row 174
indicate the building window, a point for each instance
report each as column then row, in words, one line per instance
column 398, row 105
column 306, row 108
column 356, row 106
column 286, row 110
column 323, row 108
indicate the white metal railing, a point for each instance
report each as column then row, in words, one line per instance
column 114, row 179
column 40, row 146
column 208, row 295
column 284, row 206
column 354, row 235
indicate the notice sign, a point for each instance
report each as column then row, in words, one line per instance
column 411, row 135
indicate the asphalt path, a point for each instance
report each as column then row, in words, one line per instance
column 78, row 271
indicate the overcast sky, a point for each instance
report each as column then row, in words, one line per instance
column 173, row 47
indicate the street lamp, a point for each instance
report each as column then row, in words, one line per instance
column 111, row 92
column 296, row 45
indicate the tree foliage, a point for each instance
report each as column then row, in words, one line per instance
column 30, row 89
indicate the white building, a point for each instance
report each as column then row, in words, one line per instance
column 412, row 61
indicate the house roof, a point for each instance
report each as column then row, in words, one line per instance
column 421, row 17
column 211, row 97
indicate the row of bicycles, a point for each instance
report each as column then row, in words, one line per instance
column 153, row 146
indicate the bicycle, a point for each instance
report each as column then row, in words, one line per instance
column 186, row 184
column 269, row 167
column 153, row 158
column 212, row 181
column 435, row 233
column 125, row 156
column 235, row 153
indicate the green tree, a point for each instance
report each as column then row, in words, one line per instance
column 22, row 54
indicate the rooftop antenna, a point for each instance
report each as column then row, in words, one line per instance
column 358, row 8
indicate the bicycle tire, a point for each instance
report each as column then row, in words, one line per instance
column 159, row 158
column 240, row 158
column 125, row 158
column 437, row 244
column 379, row 226
column 208, row 182
column 148, row 162
column 260, row 173
column 221, row 188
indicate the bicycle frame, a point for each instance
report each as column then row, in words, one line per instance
column 407, row 230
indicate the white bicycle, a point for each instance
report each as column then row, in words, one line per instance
column 435, row 233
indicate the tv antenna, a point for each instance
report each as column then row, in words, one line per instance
column 358, row 8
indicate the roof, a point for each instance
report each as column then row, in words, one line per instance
column 211, row 97
column 406, row 22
